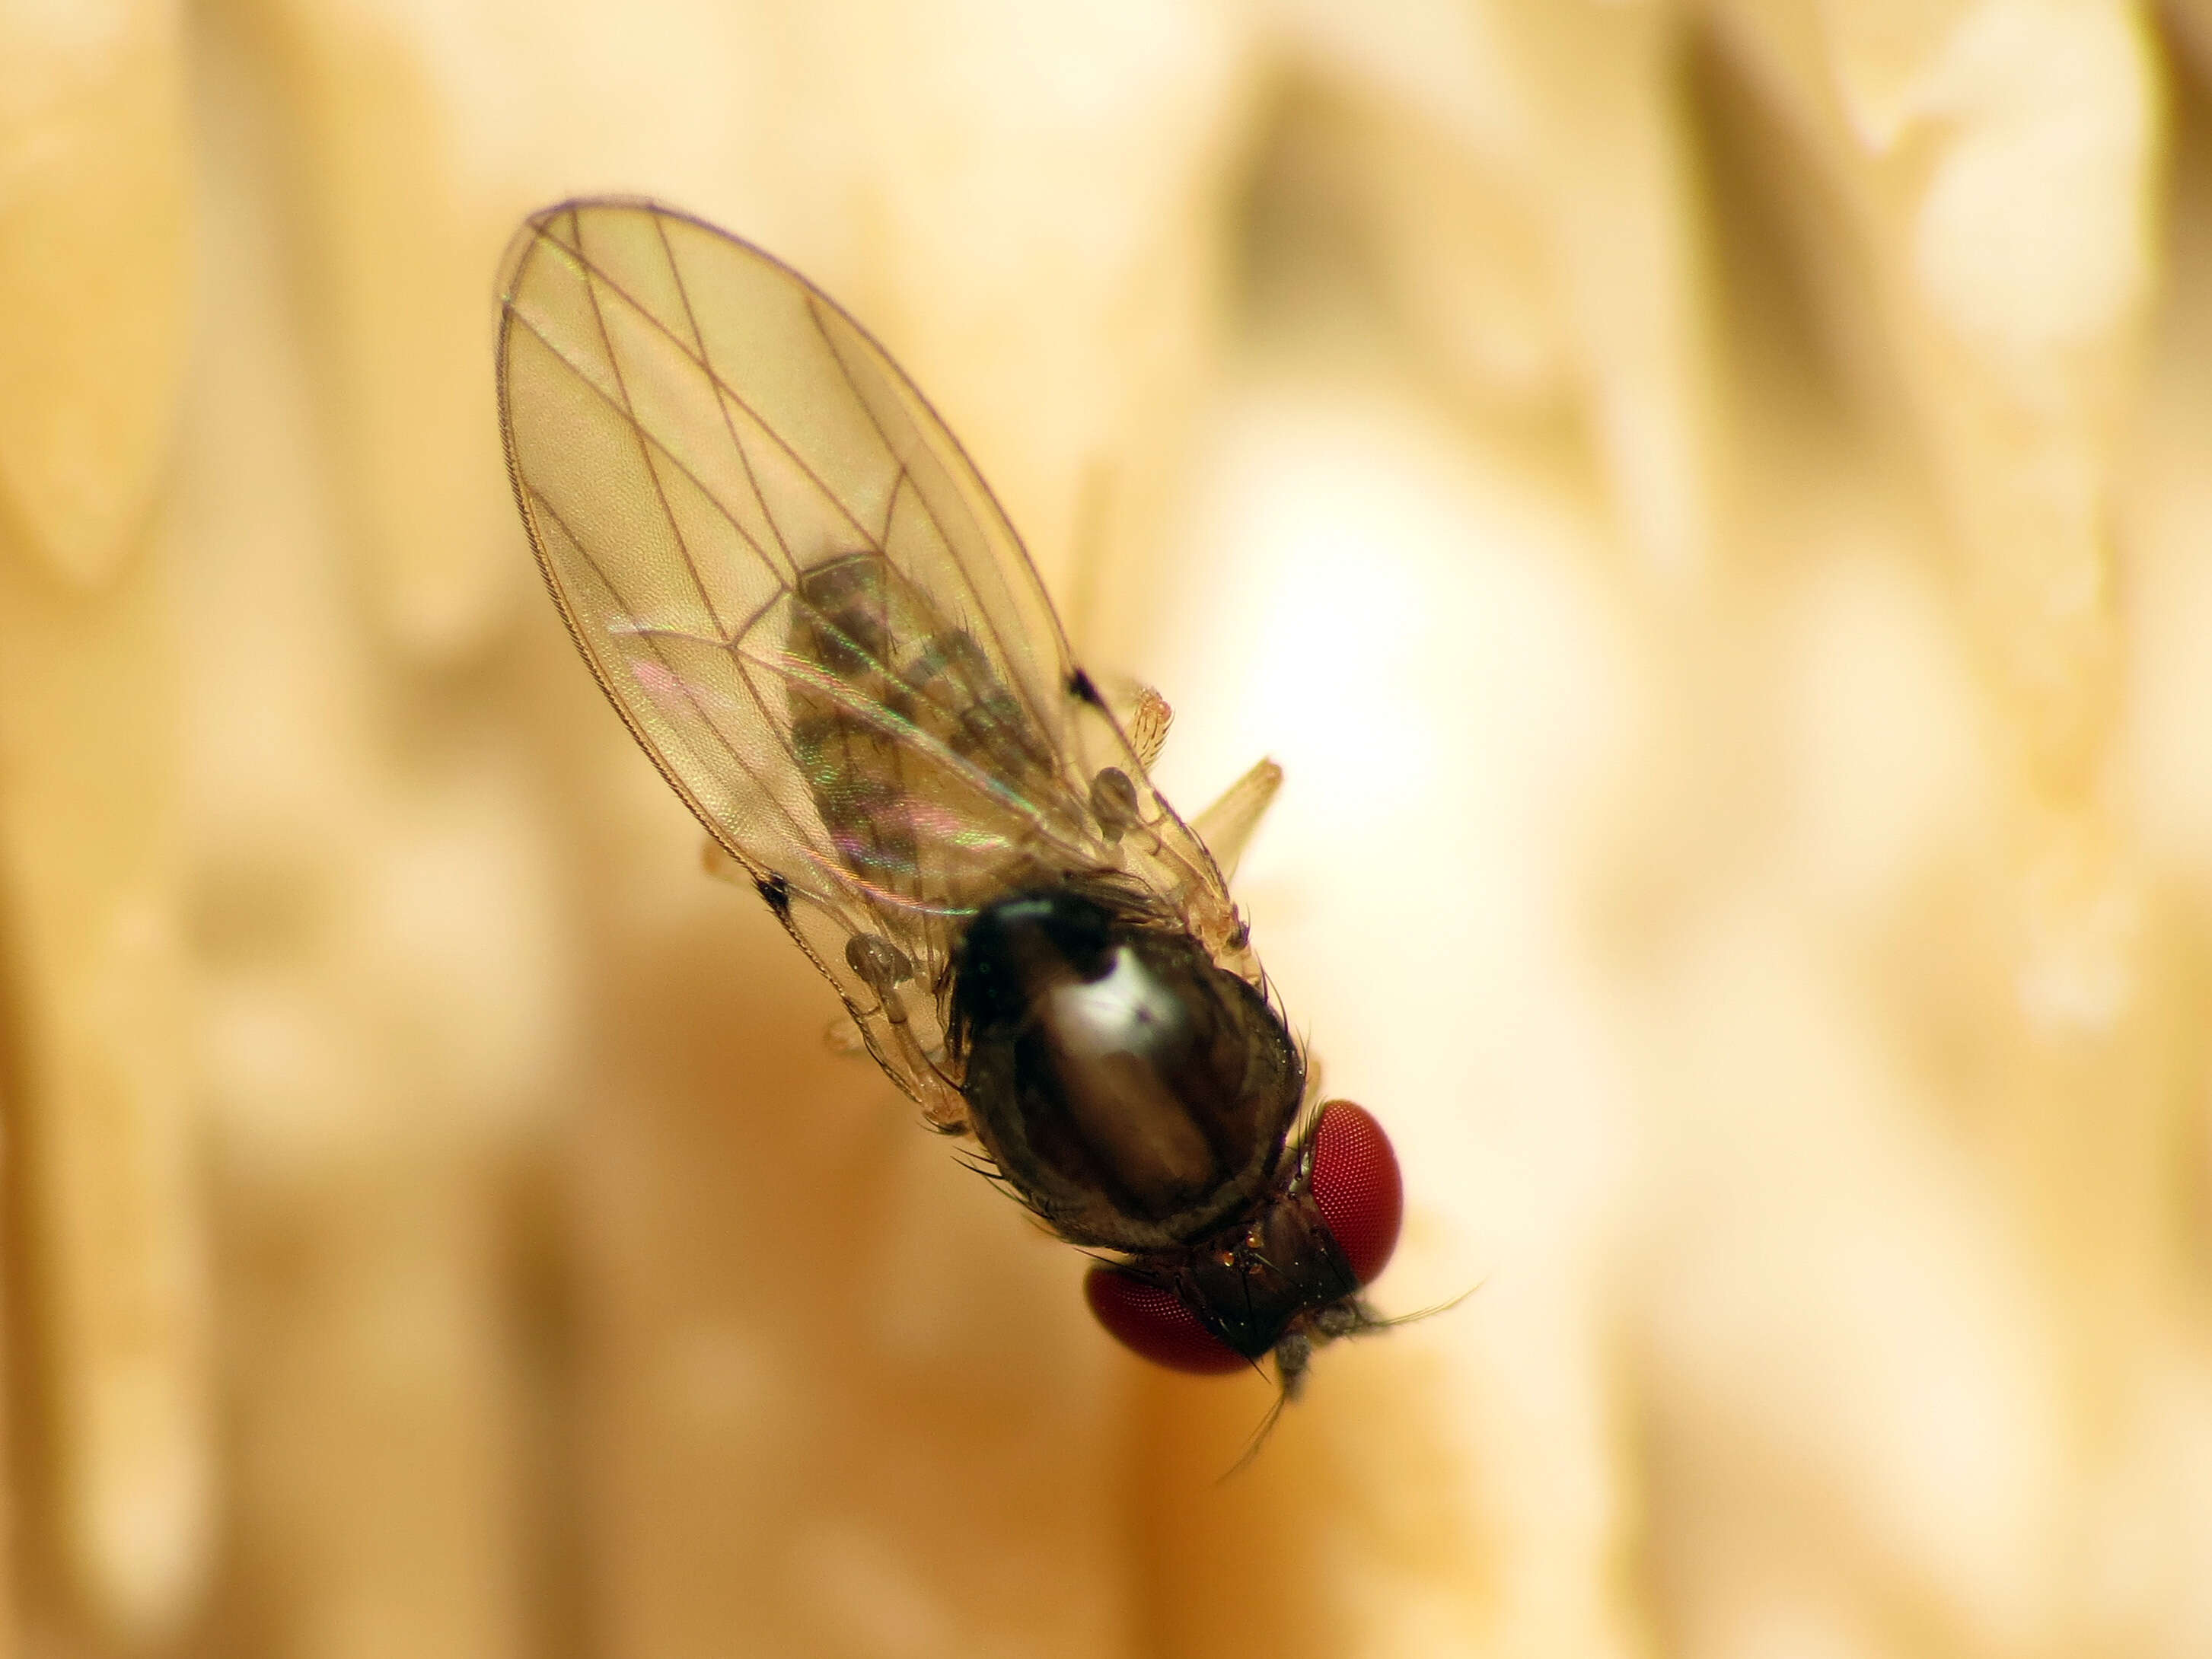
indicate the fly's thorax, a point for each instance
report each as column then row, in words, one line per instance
column 1135, row 1095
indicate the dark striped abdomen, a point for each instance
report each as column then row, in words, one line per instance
column 924, row 767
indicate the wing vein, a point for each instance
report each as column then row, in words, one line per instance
column 677, row 678
column 789, row 574
column 723, row 389
column 869, row 710
column 646, row 444
column 647, row 437
column 873, row 712
column 975, row 614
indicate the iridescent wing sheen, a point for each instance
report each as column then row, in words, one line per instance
column 811, row 613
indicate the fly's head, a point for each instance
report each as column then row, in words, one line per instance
column 1285, row 1279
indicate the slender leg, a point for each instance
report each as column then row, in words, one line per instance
column 1148, row 725
column 942, row 1108
column 1226, row 826
column 717, row 862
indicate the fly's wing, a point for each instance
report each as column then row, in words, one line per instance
column 811, row 612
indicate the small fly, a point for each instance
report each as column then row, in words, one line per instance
column 814, row 617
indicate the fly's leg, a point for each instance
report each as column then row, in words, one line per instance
column 891, row 1045
column 1226, row 826
column 1114, row 801
column 1143, row 713
column 715, row 860
column 883, row 968
column 1149, row 720
column 943, row 1108
column 840, row 1036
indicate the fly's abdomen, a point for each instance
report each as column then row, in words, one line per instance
column 841, row 627
column 910, row 740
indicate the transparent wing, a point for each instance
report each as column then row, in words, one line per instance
column 811, row 613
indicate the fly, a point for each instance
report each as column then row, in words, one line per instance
column 814, row 617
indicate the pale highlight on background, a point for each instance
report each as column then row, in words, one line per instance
column 1712, row 505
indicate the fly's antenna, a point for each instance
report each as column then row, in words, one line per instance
column 1371, row 1323
column 1259, row 1435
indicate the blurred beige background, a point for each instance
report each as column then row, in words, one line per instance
column 1710, row 504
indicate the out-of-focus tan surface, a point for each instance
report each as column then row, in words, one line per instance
column 1711, row 503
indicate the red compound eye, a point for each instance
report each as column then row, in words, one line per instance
column 1357, row 1187
column 1155, row 1325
